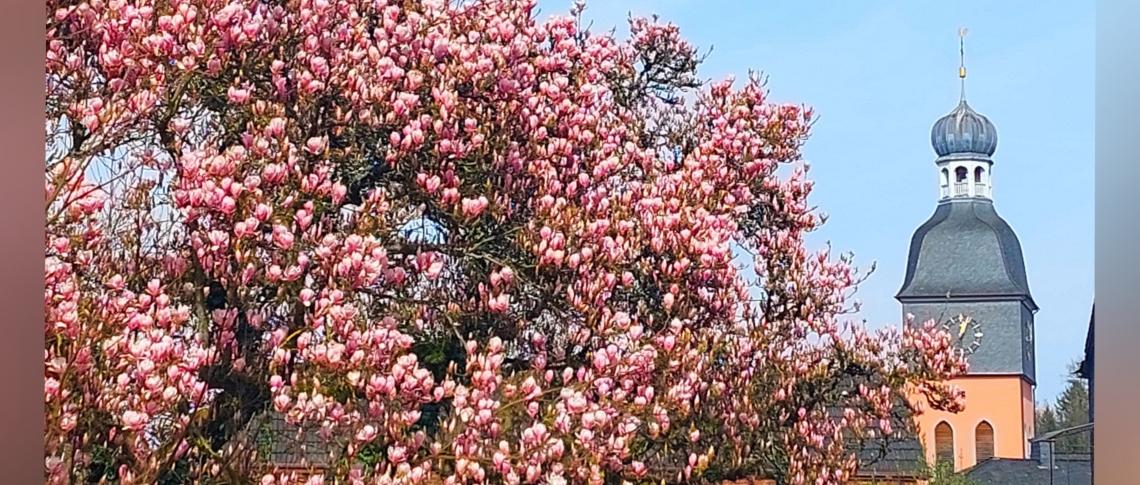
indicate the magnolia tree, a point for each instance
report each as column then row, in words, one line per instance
column 462, row 245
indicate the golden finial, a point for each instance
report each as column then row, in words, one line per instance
column 962, row 59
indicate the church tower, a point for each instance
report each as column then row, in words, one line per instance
column 966, row 272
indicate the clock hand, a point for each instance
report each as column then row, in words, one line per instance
column 962, row 322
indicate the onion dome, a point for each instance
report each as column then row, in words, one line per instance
column 964, row 132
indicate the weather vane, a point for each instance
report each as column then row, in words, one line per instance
column 962, row 59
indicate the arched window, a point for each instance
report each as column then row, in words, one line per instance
column 944, row 443
column 984, row 441
column 945, row 177
column 978, row 173
column 960, row 174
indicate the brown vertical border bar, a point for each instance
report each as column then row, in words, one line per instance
column 22, row 49
column 1117, row 241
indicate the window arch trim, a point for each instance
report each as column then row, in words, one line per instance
column 961, row 174
column 980, row 446
column 943, row 450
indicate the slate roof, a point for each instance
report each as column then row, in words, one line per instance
column 1001, row 471
column 904, row 458
column 290, row 446
column 963, row 131
column 898, row 456
column 1068, row 468
column 965, row 250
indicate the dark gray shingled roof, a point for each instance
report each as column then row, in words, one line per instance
column 965, row 250
column 290, row 446
column 903, row 458
column 899, row 455
column 963, row 131
column 1000, row 471
column 1067, row 468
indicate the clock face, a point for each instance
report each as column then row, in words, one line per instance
column 965, row 331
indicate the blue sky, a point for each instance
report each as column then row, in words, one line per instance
column 879, row 73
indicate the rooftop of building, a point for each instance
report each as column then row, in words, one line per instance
column 965, row 249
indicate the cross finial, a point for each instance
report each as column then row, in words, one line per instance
column 962, row 59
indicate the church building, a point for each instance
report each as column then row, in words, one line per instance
column 966, row 272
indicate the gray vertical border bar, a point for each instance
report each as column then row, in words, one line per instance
column 1117, row 239
column 22, row 51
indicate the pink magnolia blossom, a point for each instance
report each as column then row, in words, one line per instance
column 237, row 95
column 134, row 420
column 316, row 145
column 288, row 233
column 474, row 207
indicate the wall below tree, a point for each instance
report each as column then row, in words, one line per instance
column 1005, row 402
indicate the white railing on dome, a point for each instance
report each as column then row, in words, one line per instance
column 980, row 190
column 944, row 191
column 961, row 189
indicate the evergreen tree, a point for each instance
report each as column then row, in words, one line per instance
column 1071, row 409
column 1046, row 419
